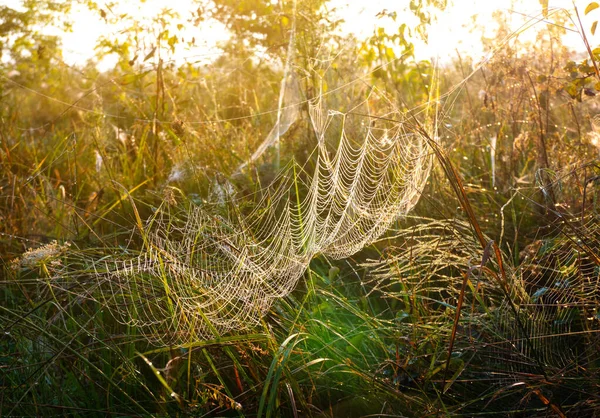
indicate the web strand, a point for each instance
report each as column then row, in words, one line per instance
column 210, row 272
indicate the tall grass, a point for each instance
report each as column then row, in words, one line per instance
column 482, row 303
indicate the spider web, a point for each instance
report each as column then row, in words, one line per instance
column 218, row 268
column 550, row 336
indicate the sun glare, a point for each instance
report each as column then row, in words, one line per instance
column 461, row 26
column 458, row 29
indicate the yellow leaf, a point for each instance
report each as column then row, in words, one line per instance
column 592, row 6
column 544, row 4
column 593, row 30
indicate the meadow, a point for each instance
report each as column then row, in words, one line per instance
column 309, row 225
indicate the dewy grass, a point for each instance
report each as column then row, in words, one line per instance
column 376, row 332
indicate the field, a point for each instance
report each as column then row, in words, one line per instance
column 308, row 225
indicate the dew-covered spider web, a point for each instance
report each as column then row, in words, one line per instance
column 219, row 267
column 545, row 328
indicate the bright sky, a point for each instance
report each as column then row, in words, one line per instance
column 450, row 32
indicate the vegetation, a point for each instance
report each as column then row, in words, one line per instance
column 481, row 301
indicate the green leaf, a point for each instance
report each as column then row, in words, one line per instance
column 275, row 370
column 593, row 30
column 592, row 6
column 461, row 366
column 333, row 273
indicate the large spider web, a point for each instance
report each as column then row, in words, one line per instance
column 217, row 268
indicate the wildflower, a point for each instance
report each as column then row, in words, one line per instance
column 45, row 254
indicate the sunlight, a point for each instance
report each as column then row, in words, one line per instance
column 297, row 208
column 458, row 29
column 461, row 26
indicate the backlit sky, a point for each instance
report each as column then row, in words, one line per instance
column 450, row 32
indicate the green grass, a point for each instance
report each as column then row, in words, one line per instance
column 482, row 302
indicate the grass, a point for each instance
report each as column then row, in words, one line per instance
column 345, row 343
column 482, row 302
